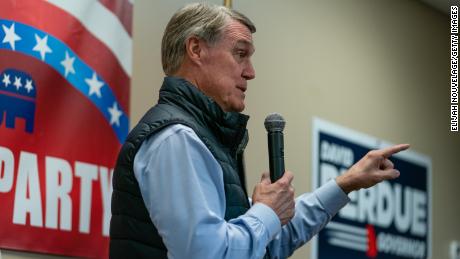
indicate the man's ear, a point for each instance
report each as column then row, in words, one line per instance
column 194, row 48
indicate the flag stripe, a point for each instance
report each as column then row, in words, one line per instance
column 347, row 236
column 346, row 228
column 93, row 52
column 104, row 25
column 123, row 10
column 18, row 96
column 348, row 244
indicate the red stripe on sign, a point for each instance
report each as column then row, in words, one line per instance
column 25, row 98
column 371, row 242
column 65, row 27
column 123, row 9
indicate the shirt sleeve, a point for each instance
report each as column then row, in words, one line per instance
column 312, row 212
column 182, row 187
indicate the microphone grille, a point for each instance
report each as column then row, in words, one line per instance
column 274, row 122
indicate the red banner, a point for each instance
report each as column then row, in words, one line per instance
column 65, row 68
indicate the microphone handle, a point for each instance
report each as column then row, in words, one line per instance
column 276, row 155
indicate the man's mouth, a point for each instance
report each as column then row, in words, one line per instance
column 242, row 88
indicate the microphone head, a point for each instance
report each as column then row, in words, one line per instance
column 274, row 122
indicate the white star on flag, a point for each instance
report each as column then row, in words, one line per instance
column 42, row 46
column 6, row 80
column 115, row 114
column 67, row 63
column 94, row 85
column 17, row 82
column 10, row 36
column 29, row 86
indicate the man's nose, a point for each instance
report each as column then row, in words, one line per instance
column 249, row 72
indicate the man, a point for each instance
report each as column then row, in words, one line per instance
column 178, row 187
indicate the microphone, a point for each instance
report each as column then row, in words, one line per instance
column 274, row 123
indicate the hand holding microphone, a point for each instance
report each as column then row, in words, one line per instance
column 276, row 190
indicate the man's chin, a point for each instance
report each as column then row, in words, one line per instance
column 238, row 108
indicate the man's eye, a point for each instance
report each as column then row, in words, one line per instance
column 241, row 53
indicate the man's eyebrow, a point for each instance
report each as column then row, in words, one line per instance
column 246, row 43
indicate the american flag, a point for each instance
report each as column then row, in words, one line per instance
column 65, row 70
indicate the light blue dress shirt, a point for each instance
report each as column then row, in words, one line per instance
column 183, row 189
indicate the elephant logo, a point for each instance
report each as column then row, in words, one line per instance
column 17, row 98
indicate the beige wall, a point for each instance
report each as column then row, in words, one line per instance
column 379, row 67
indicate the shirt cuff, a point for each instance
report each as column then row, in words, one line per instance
column 268, row 218
column 332, row 197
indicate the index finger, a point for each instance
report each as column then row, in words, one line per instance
column 389, row 151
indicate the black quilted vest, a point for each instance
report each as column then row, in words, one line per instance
column 132, row 233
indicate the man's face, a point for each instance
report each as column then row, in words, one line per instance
column 226, row 67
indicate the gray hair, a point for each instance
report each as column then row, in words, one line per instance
column 202, row 20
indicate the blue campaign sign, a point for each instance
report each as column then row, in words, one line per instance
column 389, row 220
